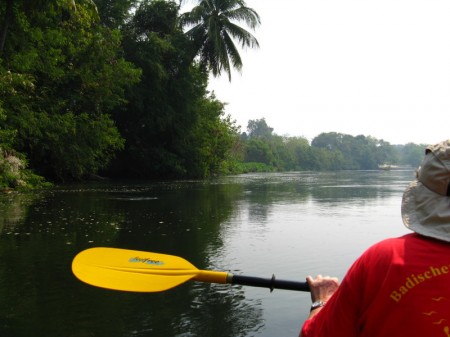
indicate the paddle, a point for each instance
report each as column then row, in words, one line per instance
column 131, row 270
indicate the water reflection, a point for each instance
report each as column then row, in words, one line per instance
column 14, row 208
column 255, row 224
column 41, row 233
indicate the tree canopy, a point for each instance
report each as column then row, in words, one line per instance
column 213, row 29
column 327, row 151
column 119, row 89
column 107, row 87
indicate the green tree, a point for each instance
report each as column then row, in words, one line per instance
column 259, row 151
column 411, row 154
column 115, row 13
column 6, row 21
column 208, row 149
column 259, row 128
column 280, row 153
column 75, row 77
column 360, row 152
column 299, row 150
column 213, row 32
column 13, row 165
column 172, row 126
column 159, row 112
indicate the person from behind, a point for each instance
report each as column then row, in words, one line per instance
column 399, row 286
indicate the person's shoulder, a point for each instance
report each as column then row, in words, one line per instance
column 398, row 244
column 411, row 238
column 392, row 242
column 389, row 246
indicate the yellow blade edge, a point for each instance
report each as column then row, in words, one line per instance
column 131, row 270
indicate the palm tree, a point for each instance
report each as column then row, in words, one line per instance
column 213, row 32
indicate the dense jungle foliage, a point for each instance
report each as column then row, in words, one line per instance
column 118, row 88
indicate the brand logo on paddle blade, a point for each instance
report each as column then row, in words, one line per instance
column 146, row 261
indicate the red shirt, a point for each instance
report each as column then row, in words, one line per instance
column 398, row 287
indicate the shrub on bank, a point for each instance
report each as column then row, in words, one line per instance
column 253, row 167
column 15, row 175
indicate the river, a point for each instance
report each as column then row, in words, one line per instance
column 288, row 224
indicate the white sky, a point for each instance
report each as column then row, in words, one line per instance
column 378, row 68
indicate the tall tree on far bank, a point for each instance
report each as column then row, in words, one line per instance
column 259, row 128
column 213, row 32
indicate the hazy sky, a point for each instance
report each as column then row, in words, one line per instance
column 379, row 68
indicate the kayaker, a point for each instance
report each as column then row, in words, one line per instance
column 400, row 286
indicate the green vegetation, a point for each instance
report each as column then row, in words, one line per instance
column 213, row 31
column 118, row 89
column 327, row 151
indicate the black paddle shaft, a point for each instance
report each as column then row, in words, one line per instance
column 271, row 283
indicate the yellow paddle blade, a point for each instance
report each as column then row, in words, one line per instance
column 131, row 270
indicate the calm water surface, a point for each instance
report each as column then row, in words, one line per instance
column 290, row 225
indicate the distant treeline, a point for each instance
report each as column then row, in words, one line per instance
column 119, row 89
column 264, row 150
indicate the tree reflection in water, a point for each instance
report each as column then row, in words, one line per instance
column 40, row 233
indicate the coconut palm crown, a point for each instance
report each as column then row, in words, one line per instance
column 213, row 31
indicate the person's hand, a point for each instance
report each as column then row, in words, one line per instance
column 322, row 287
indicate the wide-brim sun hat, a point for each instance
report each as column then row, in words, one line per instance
column 426, row 201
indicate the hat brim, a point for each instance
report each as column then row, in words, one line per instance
column 425, row 212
